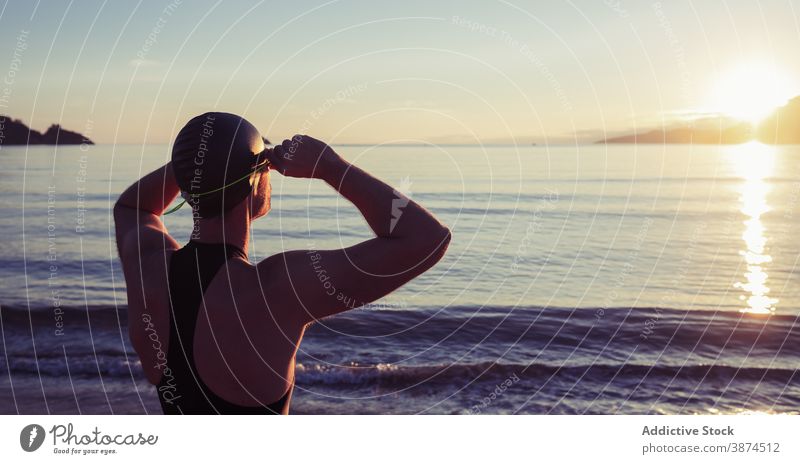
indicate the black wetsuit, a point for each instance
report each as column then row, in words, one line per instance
column 181, row 391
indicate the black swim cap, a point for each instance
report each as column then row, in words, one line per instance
column 213, row 151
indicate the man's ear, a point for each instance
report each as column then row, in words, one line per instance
column 252, row 197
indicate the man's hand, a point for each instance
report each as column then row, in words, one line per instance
column 304, row 157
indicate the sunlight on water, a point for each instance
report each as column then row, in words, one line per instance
column 754, row 162
column 745, row 412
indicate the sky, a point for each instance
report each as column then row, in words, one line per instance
column 392, row 72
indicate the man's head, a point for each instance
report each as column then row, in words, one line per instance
column 218, row 161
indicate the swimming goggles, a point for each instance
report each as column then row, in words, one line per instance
column 262, row 166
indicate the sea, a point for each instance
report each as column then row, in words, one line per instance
column 581, row 279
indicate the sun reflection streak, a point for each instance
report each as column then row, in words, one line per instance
column 754, row 162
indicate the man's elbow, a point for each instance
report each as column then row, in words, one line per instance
column 444, row 241
column 120, row 209
column 444, row 236
column 436, row 243
column 427, row 245
column 121, row 205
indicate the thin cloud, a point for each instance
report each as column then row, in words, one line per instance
column 138, row 62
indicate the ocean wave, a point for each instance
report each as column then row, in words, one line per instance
column 586, row 312
column 79, row 366
column 457, row 344
column 402, row 376
column 645, row 328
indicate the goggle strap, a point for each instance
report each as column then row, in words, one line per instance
column 258, row 167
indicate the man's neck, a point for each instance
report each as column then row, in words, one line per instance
column 233, row 230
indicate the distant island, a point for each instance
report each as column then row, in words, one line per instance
column 781, row 127
column 15, row 132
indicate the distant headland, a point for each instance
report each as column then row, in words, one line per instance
column 15, row 132
column 780, row 127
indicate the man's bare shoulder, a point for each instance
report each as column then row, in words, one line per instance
column 278, row 285
column 276, row 271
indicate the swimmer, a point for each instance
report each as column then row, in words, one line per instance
column 217, row 334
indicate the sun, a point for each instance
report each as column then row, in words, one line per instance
column 750, row 91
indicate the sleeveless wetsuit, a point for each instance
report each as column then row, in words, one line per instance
column 181, row 390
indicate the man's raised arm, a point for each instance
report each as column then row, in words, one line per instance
column 409, row 238
column 139, row 209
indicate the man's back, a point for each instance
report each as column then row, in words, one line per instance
column 243, row 342
column 246, row 321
